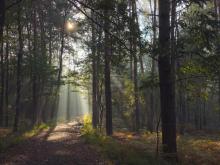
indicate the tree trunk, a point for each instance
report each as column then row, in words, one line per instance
column 217, row 15
column 34, row 70
column 108, row 93
column 135, row 73
column 150, row 120
column 2, row 21
column 43, row 59
column 167, row 95
column 6, row 79
column 19, row 62
column 62, row 33
column 95, row 110
column 50, row 45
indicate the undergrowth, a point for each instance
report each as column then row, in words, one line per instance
column 12, row 139
column 117, row 152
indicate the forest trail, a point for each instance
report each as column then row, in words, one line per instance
column 57, row 146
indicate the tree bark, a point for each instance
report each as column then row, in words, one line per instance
column 95, row 110
column 62, row 33
column 108, row 93
column 6, row 79
column 19, row 62
column 150, row 119
column 135, row 73
column 167, row 95
column 2, row 21
column 34, row 70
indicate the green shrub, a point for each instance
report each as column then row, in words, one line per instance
column 119, row 153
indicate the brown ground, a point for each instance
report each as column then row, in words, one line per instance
column 58, row 146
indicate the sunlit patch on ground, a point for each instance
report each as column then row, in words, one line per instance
column 4, row 132
column 199, row 149
column 62, row 132
column 56, row 145
column 58, row 136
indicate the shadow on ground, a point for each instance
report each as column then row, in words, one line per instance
column 60, row 145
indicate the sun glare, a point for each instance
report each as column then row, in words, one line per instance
column 70, row 26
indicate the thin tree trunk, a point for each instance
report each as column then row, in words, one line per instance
column 108, row 93
column 99, row 78
column 6, row 79
column 19, row 62
column 95, row 111
column 62, row 35
column 2, row 21
column 2, row 84
column 43, row 59
column 50, row 45
column 131, row 42
column 152, row 109
column 34, row 70
column 217, row 15
column 134, row 54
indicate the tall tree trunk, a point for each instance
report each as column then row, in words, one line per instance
column 68, row 110
column 34, row 70
column 2, row 84
column 19, row 62
column 62, row 37
column 50, row 34
column 6, row 79
column 99, row 78
column 167, row 95
column 150, row 120
column 2, row 21
column 50, row 45
column 43, row 59
column 217, row 15
column 95, row 110
column 108, row 93
column 131, row 41
column 134, row 54
column 173, row 52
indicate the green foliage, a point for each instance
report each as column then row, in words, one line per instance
column 149, row 82
column 13, row 139
column 119, row 153
column 199, row 29
column 194, row 72
column 106, row 5
column 126, row 103
column 87, row 125
column 193, row 68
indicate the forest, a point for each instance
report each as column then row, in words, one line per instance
column 109, row 82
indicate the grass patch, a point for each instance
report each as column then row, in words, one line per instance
column 129, row 148
column 117, row 152
column 12, row 139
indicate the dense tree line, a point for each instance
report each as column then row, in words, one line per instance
column 146, row 68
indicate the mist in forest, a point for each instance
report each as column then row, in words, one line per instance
column 119, row 82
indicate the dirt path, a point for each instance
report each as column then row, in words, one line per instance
column 58, row 146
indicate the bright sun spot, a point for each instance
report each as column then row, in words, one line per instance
column 70, row 26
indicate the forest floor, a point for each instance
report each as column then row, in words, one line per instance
column 60, row 145
column 197, row 148
column 64, row 144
